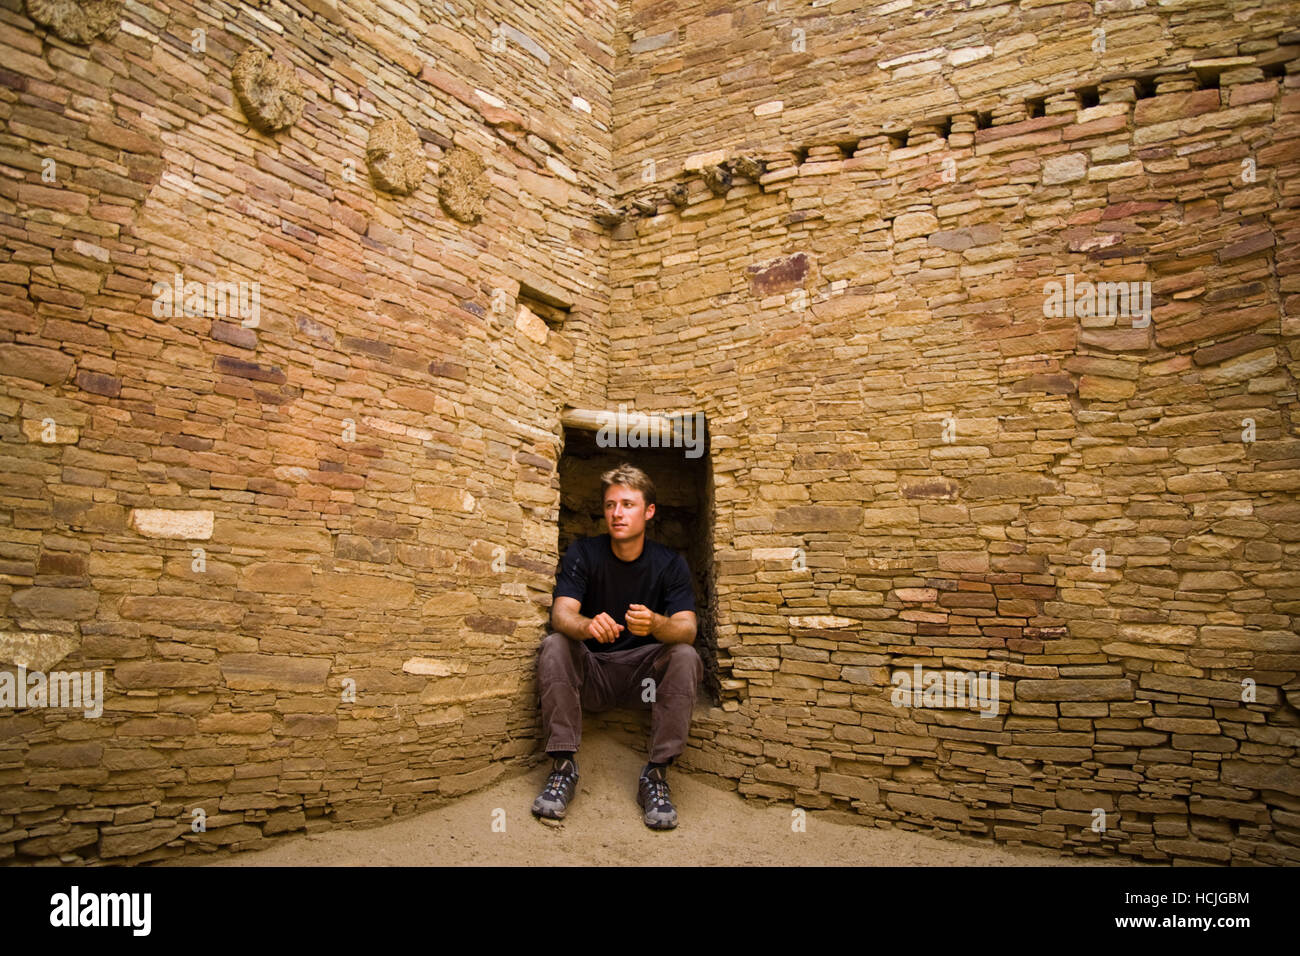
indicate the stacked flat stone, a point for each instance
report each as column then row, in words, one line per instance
column 312, row 552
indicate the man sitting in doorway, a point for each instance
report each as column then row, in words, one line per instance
column 623, row 619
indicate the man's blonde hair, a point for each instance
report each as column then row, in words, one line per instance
column 631, row 477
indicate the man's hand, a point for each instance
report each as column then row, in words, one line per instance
column 604, row 628
column 641, row 620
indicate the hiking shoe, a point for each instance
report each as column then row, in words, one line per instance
column 561, row 787
column 652, row 797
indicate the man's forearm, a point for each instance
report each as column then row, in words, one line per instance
column 667, row 631
column 570, row 623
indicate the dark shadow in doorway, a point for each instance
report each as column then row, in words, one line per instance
column 683, row 518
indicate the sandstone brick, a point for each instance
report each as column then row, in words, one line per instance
column 160, row 674
column 277, row 577
column 1196, row 687
column 1063, row 169
column 1283, row 778
column 35, row 364
column 274, row 672
column 338, row 589
column 284, row 822
column 929, row 807
column 264, row 536
column 132, row 841
column 854, row 788
column 66, row 755
column 192, row 611
column 35, row 651
column 162, row 523
column 235, row 723
column 1058, row 690
column 462, row 783
column 912, row 224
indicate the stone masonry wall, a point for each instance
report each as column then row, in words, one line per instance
column 312, row 556
column 771, row 73
column 920, row 461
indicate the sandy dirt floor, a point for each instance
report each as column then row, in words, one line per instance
column 604, row 827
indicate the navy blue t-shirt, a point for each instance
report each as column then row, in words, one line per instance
column 591, row 573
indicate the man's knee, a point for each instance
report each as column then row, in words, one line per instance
column 683, row 660
column 556, row 654
column 555, row 641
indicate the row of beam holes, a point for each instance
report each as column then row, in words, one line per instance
column 1035, row 106
column 1089, row 96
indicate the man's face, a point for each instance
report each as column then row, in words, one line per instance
column 626, row 512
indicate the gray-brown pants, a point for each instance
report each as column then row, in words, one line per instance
column 571, row 678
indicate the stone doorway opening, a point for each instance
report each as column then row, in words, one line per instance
column 683, row 512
